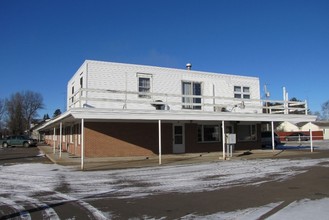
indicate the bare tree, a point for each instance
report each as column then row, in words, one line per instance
column 21, row 108
column 14, row 106
column 2, row 109
column 2, row 113
column 325, row 111
column 32, row 102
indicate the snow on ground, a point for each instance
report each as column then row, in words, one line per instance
column 299, row 210
column 34, row 180
column 251, row 213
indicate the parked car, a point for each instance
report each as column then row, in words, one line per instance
column 266, row 139
column 18, row 140
column 297, row 136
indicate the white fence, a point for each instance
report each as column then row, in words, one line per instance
column 116, row 99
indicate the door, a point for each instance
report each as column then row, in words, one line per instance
column 178, row 139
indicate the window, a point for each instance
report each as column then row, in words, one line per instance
column 189, row 91
column 81, row 85
column 144, row 87
column 241, row 92
column 72, row 92
column 208, row 133
column 246, row 133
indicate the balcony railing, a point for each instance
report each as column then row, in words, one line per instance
column 118, row 99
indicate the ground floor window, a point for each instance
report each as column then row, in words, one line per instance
column 208, row 133
column 246, row 133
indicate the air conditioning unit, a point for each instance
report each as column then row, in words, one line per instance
column 220, row 108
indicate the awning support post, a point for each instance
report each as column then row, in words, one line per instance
column 223, row 139
column 82, row 143
column 160, row 147
column 311, row 139
column 54, row 140
column 60, row 139
column 272, row 130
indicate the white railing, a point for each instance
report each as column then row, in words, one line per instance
column 118, row 99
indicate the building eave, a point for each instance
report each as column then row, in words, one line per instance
column 85, row 113
column 98, row 114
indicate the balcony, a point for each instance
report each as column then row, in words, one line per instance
column 129, row 100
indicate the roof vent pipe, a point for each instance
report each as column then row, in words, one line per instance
column 188, row 66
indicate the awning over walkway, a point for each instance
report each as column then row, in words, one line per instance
column 98, row 114
column 106, row 115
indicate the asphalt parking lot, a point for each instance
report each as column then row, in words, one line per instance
column 14, row 155
column 33, row 187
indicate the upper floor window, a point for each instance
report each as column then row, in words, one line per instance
column 189, row 91
column 241, row 92
column 144, row 87
column 72, row 93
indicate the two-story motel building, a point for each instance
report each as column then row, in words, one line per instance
column 116, row 109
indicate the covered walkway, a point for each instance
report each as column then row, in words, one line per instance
column 110, row 163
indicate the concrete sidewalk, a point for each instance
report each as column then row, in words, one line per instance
column 106, row 163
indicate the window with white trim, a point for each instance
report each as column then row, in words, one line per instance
column 190, row 93
column 72, row 93
column 208, row 133
column 144, row 85
column 241, row 92
column 246, row 133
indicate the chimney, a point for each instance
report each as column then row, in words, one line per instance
column 188, row 66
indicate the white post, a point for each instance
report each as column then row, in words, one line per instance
column 60, row 139
column 284, row 99
column 272, row 130
column 160, row 153
column 54, row 136
column 311, row 138
column 82, row 143
column 287, row 103
column 223, row 139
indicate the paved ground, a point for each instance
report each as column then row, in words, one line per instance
column 47, row 191
column 313, row 185
column 293, row 149
column 14, row 155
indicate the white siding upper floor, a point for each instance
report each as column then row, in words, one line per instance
column 99, row 84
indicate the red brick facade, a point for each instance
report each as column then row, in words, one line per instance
column 119, row 139
column 125, row 139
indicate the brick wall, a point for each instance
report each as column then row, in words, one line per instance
column 125, row 139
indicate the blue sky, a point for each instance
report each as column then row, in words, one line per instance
column 284, row 43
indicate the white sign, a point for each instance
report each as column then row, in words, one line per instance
column 230, row 138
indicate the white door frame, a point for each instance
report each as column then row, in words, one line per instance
column 179, row 139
